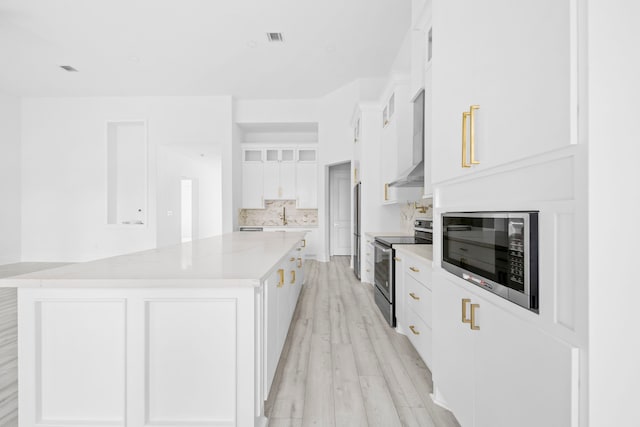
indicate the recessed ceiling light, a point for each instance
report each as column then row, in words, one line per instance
column 275, row 37
column 69, row 68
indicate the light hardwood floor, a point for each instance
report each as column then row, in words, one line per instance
column 342, row 365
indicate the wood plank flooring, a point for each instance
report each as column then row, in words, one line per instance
column 342, row 365
column 8, row 358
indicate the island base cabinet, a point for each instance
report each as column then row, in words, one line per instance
column 134, row 357
column 497, row 370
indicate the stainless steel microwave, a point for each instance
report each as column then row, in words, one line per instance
column 497, row 251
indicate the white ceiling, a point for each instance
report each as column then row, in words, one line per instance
column 196, row 47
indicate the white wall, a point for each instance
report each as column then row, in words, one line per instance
column 64, row 168
column 614, row 203
column 10, row 208
column 173, row 166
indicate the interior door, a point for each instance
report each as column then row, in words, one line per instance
column 340, row 209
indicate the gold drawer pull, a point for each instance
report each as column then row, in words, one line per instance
column 465, row 116
column 299, row 262
column 465, row 301
column 473, row 317
column 293, row 276
column 299, row 249
column 292, row 259
column 396, row 259
column 415, row 270
column 472, row 133
column 413, row 329
column 281, row 274
column 412, row 295
column 304, row 243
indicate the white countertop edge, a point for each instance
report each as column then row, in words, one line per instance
column 23, row 281
column 183, row 283
column 424, row 252
column 374, row 234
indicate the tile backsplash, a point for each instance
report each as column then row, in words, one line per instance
column 408, row 213
column 272, row 215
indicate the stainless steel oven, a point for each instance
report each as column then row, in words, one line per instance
column 497, row 251
column 384, row 269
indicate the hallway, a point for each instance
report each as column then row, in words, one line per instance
column 342, row 365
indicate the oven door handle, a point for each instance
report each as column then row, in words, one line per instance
column 382, row 247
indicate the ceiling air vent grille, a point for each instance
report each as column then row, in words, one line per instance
column 69, row 68
column 275, row 37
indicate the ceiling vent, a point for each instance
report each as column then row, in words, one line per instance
column 275, row 37
column 69, row 68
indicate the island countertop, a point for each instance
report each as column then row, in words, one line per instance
column 233, row 259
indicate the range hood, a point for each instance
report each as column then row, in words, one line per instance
column 414, row 176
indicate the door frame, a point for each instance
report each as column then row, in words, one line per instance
column 327, row 206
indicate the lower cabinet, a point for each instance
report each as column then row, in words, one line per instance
column 494, row 369
column 367, row 273
column 282, row 291
column 310, row 242
column 414, row 302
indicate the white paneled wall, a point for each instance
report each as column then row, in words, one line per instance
column 9, row 179
column 64, row 168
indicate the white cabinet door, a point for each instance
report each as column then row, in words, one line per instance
column 271, row 180
column 252, row 185
column 453, row 365
column 287, row 180
column 496, row 54
column 272, row 352
column 401, row 306
column 307, row 185
column 523, row 376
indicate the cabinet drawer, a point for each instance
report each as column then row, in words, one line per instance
column 418, row 298
column 420, row 336
column 419, row 271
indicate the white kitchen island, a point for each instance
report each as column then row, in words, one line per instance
column 188, row 335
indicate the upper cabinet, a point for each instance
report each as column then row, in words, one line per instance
column 279, row 172
column 252, row 179
column 501, row 81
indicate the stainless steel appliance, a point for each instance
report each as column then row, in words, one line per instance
column 384, row 276
column 497, row 251
column 356, row 229
column 250, row 228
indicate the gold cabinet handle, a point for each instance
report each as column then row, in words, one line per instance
column 472, row 134
column 299, row 249
column 304, row 243
column 465, row 116
column 293, row 277
column 395, row 258
column 413, row 329
column 386, row 192
column 281, row 274
column 412, row 295
column 292, row 259
column 465, row 301
column 415, row 270
column 299, row 262
column 473, row 317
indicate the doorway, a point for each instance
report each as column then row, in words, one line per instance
column 186, row 210
column 340, row 209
